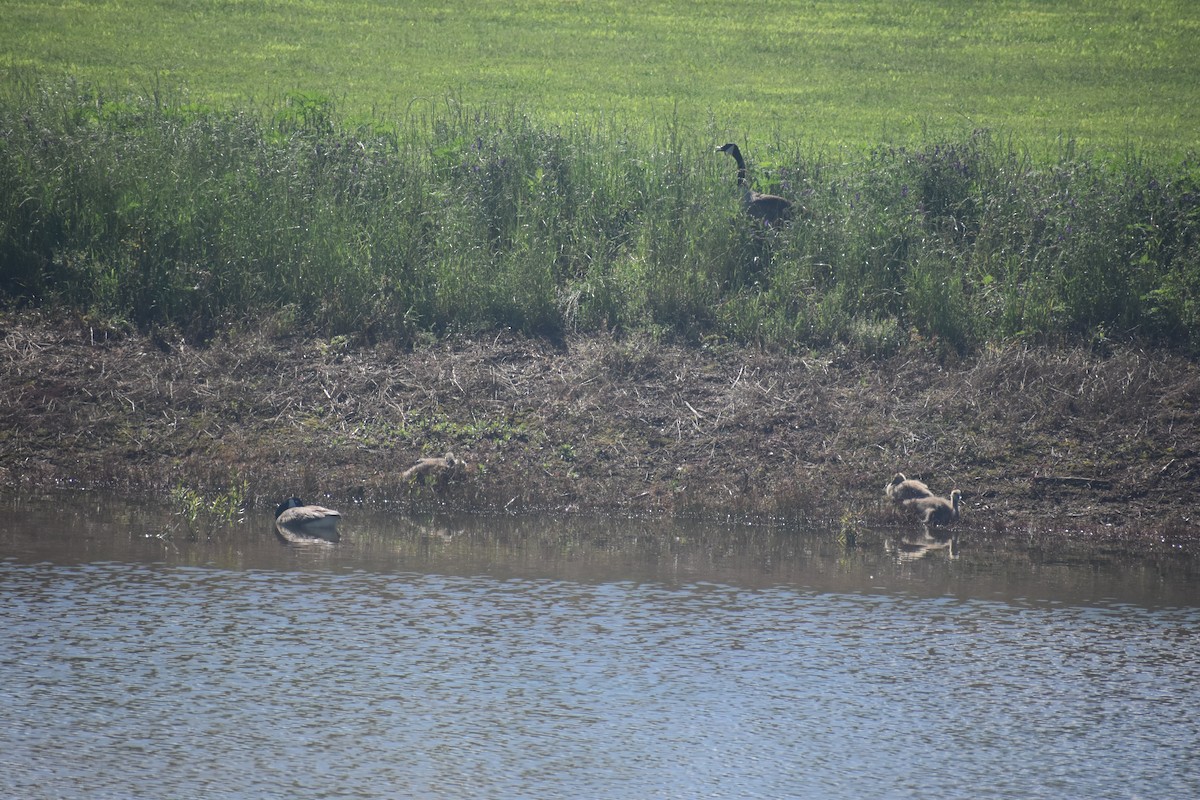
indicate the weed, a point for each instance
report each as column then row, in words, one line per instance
column 477, row 219
column 201, row 512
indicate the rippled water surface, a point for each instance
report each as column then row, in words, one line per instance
column 513, row 658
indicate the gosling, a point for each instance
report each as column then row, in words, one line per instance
column 432, row 466
column 936, row 510
column 902, row 489
column 296, row 521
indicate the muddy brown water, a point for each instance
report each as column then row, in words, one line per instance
column 510, row 657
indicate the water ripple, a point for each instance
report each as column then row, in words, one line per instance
column 247, row 683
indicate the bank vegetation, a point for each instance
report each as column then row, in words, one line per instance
column 271, row 299
column 150, row 212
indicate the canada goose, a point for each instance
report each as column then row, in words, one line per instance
column 901, row 489
column 769, row 208
column 936, row 510
column 295, row 521
column 432, row 466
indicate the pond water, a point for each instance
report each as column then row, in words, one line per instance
column 497, row 657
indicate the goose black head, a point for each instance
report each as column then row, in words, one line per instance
column 291, row 502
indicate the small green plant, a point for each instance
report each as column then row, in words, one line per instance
column 201, row 512
column 188, row 505
column 847, row 535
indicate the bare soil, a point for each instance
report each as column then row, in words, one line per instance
column 1052, row 442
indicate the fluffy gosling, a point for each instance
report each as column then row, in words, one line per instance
column 901, row 489
column 936, row 510
column 432, row 466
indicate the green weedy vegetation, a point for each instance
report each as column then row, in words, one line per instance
column 202, row 512
column 158, row 212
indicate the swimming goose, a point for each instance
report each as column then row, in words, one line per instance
column 295, row 521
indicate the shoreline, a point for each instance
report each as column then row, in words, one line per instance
column 1052, row 442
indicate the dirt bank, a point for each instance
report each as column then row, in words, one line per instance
column 1058, row 442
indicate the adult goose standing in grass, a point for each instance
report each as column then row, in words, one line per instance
column 770, row 208
column 297, row 522
column 936, row 510
column 901, row 489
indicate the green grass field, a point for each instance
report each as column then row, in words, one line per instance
column 969, row 176
column 1107, row 73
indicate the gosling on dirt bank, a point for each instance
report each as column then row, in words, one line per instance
column 295, row 521
column 901, row 489
column 432, row 466
column 936, row 510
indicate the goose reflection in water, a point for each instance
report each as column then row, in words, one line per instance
column 912, row 546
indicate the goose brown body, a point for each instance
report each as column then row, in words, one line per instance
column 296, row 521
column 936, row 510
column 770, row 208
column 432, row 466
column 901, row 489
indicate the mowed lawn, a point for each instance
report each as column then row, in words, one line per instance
column 1114, row 74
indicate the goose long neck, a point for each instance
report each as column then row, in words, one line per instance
column 741, row 164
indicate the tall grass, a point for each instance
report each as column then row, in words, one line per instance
column 472, row 218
